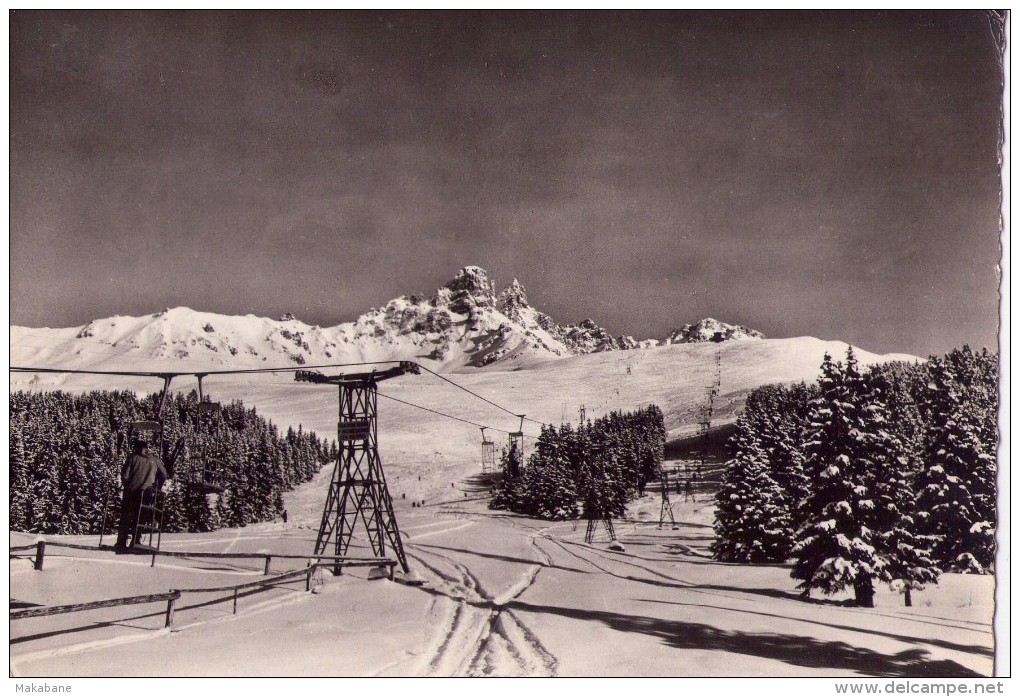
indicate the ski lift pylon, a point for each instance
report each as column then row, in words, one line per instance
column 488, row 454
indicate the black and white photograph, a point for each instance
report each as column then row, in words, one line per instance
column 525, row 343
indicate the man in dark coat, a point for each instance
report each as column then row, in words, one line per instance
column 142, row 471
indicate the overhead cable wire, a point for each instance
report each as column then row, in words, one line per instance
column 161, row 373
column 488, row 401
column 245, row 371
column 449, row 416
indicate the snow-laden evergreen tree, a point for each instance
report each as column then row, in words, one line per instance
column 787, row 456
column 836, row 548
column 509, row 493
column 956, row 487
column 770, row 432
column 607, row 459
column 775, row 415
column 549, row 488
column 752, row 522
column 601, row 486
column 651, row 442
column 976, row 375
column 894, row 445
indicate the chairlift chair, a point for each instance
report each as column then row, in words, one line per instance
column 205, row 479
column 517, row 439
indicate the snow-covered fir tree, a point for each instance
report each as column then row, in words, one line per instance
column 508, row 494
column 906, row 551
column 769, row 445
column 956, row 487
column 752, row 522
column 836, row 548
column 601, row 485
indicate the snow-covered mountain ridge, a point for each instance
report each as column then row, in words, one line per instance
column 466, row 323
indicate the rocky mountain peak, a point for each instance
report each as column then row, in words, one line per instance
column 464, row 323
column 588, row 337
column 473, row 280
column 515, row 292
column 470, row 289
column 710, row 329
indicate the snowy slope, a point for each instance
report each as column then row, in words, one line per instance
column 505, row 595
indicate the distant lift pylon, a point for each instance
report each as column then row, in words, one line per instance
column 358, row 489
column 488, row 454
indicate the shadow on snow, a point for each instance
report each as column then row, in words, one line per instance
column 788, row 648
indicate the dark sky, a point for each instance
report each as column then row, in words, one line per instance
column 832, row 175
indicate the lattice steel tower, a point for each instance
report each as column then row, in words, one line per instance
column 666, row 511
column 488, row 454
column 358, row 489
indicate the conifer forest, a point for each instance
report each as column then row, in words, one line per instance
column 601, row 465
column 66, row 454
column 884, row 475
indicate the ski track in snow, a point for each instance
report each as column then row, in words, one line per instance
column 236, row 538
column 481, row 636
column 470, row 630
column 83, row 647
column 414, row 538
column 621, row 558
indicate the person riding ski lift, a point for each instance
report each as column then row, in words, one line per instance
column 142, row 471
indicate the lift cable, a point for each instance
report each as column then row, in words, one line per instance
column 449, row 416
column 240, row 371
column 461, row 387
column 159, row 374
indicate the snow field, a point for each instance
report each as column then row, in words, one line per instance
column 505, row 595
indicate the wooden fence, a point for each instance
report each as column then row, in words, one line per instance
column 171, row 597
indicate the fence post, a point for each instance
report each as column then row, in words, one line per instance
column 40, row 554
column 308, row 577
column 268, row 560
column 235, row 601
column 170, row 611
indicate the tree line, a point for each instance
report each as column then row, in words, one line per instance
column 591, row 472
column 883, row 475
column 67, row 451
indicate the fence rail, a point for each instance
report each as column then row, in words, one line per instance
column 40, row 549
column 251, row 584
column 171, row 597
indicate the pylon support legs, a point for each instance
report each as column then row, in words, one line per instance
column 593, row 523
column 358, row 498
